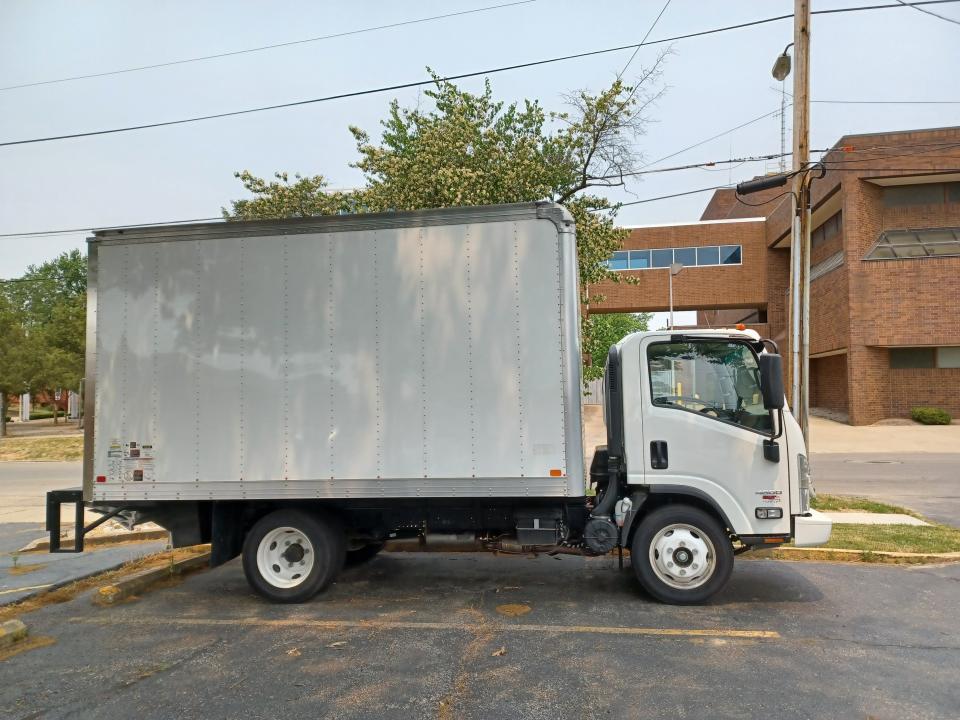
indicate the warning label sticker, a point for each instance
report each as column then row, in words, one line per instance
column 130, row 461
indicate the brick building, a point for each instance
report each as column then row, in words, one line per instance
column 885, row 272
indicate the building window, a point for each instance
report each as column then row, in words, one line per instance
column 708, row 256
column 925, row 242
column 926, row 194
column 639, row 259
column 948, row 357
column 902, row 358
column 662, row 258
column 665, row 257
column 924, row 357
column 686, row 256
column 730, row 255
column 828, row 230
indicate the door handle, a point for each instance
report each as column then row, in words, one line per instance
column 658, row 454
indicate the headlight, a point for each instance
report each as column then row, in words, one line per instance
column 806, row 486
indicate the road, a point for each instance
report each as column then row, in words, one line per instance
column 24, row 486
column 477, row 636
column 926, row 482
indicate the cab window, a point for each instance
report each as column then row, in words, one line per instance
column 719, row 380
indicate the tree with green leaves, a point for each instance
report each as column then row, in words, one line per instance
column 470, row 149
column 605, row 330
column 15, row 357
column 49, row 302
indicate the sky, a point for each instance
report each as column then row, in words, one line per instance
column 713, row 83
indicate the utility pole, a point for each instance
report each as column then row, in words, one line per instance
column 800, row 240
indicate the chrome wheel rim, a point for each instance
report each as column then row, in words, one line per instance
column 682, row 556
column 285, row 557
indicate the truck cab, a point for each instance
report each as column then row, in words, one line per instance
column 704, row 459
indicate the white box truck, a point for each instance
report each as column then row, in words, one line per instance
column 300, row 392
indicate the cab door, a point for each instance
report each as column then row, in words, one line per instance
column 703, row 427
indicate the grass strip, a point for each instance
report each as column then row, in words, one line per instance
column 841, row 503
column 895, row 538
column 41, row 448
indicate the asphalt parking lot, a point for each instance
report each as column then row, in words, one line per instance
column 428, row 636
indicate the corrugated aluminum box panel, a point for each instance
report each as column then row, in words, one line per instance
column 426, row 354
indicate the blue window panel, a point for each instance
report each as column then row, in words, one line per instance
column 661, row 258
column 685, row 256
column 618, row 261
column 730, row 255
column 639, row 259
column 708, row 255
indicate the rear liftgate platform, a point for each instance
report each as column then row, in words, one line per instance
column 56, row 498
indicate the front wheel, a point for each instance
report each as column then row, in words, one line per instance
column 681, row 555
column 290, row 555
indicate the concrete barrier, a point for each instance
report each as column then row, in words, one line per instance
column 130, row 586
column 11, row 631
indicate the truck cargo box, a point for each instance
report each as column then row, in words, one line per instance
column 396, row 355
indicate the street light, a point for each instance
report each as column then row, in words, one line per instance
column 781, row 68
column 675, row 269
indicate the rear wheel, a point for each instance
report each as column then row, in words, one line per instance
column 290, row 555
column 681, row 555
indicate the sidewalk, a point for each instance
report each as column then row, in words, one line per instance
column 868, row 518
column 828, row 436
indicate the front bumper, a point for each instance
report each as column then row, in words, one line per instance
column 811, row 529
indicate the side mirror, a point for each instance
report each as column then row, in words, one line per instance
column 771, row 381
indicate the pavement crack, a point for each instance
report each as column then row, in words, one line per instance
column 87, row 709
column 868, row 643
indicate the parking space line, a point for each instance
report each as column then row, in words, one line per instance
column 23, row 589
column 466, row 627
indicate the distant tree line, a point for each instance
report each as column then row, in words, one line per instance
column 42, row 330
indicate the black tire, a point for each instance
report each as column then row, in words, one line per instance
column 363, row 554
column 328, row 541
column 703, row 525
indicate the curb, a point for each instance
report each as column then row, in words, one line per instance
column 127, row 587
column 69, row 581
column 41, row 544
column 845, row 555
column 11, row 631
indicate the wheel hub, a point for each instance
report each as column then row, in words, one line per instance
column 294, row 553
column 682, row 556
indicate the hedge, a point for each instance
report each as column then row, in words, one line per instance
column 930, row 416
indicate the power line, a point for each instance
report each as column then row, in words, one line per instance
column 765, row 202
column 108, row 227
column 261, row 48
column 712, row 137
column 460, row 76
column 887, row 102
column 877, row 102
column 929, row 12
column 692, row 166
column 655, row 21
column 674, row 195
column 897, row 155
